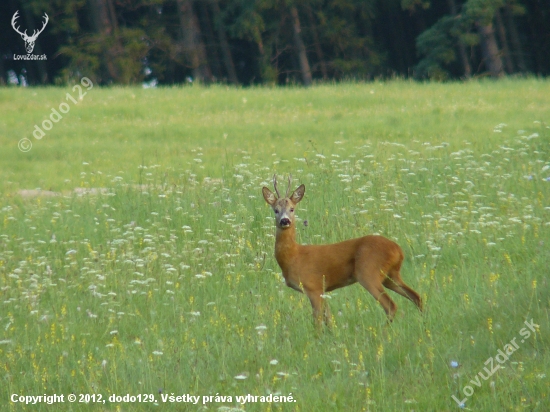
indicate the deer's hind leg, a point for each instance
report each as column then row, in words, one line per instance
column 371, row 279
column 394, row 282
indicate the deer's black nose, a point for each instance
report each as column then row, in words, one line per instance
column 285, row 222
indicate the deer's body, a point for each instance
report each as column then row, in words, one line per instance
column 373, row 261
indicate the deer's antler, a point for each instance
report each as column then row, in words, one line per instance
column 288, row 188
column 275, row 185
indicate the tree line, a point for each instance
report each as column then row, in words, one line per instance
column 271, row 41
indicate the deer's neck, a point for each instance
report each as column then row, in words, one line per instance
column 285, row 246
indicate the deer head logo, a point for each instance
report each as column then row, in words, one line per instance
column 29, row 40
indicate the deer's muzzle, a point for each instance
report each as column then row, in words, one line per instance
column 285, row 222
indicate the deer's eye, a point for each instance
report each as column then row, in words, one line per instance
column 292, row 210
column 277, row 211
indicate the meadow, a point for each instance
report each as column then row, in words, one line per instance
column 136, row 250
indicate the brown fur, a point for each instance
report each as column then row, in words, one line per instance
column 373, row 261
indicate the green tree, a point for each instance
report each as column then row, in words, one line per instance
column 482, row 13
column 346, row 32
column 437, row 45
column 102, row 49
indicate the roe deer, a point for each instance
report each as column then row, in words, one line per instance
column 373, row 261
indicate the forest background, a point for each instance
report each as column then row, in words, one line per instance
column 273, row 42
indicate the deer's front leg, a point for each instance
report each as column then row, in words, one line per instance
column 321, row 310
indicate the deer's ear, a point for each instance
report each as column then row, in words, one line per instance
column 298, row 194
column 269, row 196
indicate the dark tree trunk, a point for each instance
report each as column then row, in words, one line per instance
column 501, row 30
column 193, row 48
column 104, row 20
column 260, row 42
column 514, row 38
column 211, row 43
column 318, row 49
column 269, row 72
column 461, row 48
column 489, row 49
column 100, row 16
column 397, row 39
column 300, row 48
column 537, row 46
column 224, row 45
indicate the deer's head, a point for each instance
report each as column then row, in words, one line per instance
column 29, row 40
column 283, row 206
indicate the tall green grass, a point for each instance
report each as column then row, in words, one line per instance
column 165, row 282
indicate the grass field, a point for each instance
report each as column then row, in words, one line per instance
column 161, row 279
